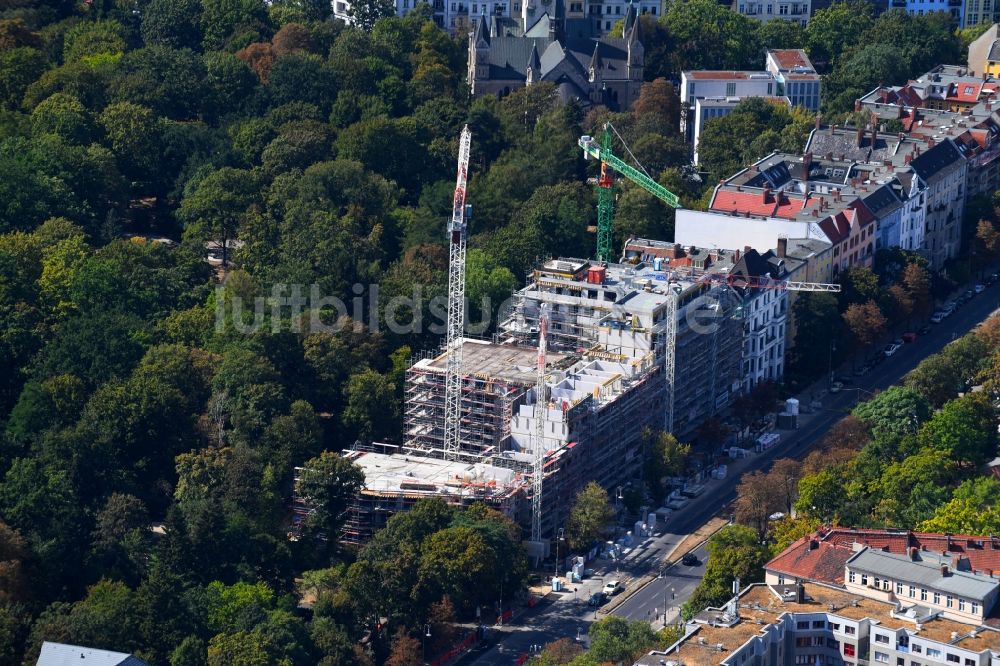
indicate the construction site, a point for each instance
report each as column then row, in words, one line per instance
column 590, row 355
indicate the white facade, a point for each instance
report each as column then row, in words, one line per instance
column 448, row 14
column 705, row 229
column 920, row 7
column 766, row 315
column 605, row 13
column 766, row 10
column 911, row 226
column 710, row 95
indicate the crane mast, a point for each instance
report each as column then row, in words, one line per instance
column 457, row 238
column 540, row 406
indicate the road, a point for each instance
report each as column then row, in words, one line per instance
column 564, row 617
column 666, row 592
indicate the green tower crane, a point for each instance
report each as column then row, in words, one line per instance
column 606, row 187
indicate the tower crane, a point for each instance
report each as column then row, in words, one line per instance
column 606, row 186
column 540, row 407
column 457, row 238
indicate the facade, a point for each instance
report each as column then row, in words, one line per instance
column 714, row 94
column 943, row 169
column 767, row 10
column 593, row 71
column 857, row 597
column 797, row 78
column 984, row 51
column 956, row 8
column 61, row 654
column 621, row 309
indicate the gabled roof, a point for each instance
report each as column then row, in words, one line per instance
column 965, row 91
column 812, row 559
column 763, row 202
column 994, row 54
column 60, row 654
column 882, row 201
column 482, row 35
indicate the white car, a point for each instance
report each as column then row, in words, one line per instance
column 613, row 587
column 979, row 288
column 938, row 317
column 891, row 348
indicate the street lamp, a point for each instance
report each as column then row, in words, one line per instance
column 427, row 634
column 559, row 538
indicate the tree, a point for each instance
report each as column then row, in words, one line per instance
column 834, row 29
column 865, row 322
column 665, row 457
column 616, row 640
column 917, row 281
column 757, row 497
column 217, row 205
column 225, row 20
column 964, row 429
column 590, row 517
column 93, row 38
column 867, row 67
column 169, row 81
column 365, row 14
column 935, row 378
column 734, row 552
column 897, row 410
column 18, row 69
column 406, row 650
column 172, row 23
column 14, row 33
column 132, row 134
column 329, row 483
column 987, row 242
column 788, row 530
column 488, row 285
column 785, row 474
column 706, row 35
column 64, row 116
column 781, row 35
column 372, row 409
column 821, row 495
column 818, row 323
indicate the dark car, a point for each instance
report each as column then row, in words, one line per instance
column 923, row 330
column 597, row 599
column 909, row 336
column 690, row 560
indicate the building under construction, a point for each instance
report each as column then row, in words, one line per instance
column 624, row 309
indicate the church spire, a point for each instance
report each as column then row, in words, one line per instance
column 534, row 65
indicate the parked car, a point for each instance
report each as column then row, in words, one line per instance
column 938, row 317
column 909, row 336
column 597, row 599
column 613, row 587
column 923, row 330
column 891, row 348
column 992, row 277
column 948, row 308
column 979, row 288
column 836, row 387
column 861, row 370
column 690, row 560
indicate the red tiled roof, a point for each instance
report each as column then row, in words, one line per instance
column 964, row 91
column 759, row 202
column 834, row 546
column 864, row 214
column 812, row 559
column 836, row 227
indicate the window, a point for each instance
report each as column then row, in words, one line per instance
column 819, row 624
column 899, row 587
column 852, row 577
column 961, row 605
column 970, row 662
column 730, row 89
column 848, row 650
column 881, row 638
column 923, row 594
column 878, row 581
column 802, row 625
column 948, row 601
column 882, row 657
column 953, row 658
column 835, row 626
column 864, row 577
column 933, row 653
column 913, row 591
column 916, row 648
column 975, row 608
column 900, row 661
column 937, row 598
column 781, row 579
column 849, row 630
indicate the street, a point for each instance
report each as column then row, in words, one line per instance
column 564, row 617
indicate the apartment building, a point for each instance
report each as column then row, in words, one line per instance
column 984, row 51
column 797, row 78
column 857, row 597
column 768, row 10
column 955, row 8
column 623, row 309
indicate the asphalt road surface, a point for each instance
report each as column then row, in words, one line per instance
column 666, row 592
column 568, row 617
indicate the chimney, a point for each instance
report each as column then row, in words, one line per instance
column 835, row 127
column 857, row 105
column 989, row 572
column 874, row 136
column 930, row 142
column 944, row 569
column 800, row 593
column 901, row 136
column 815, row 212
column 913, row 553
column 860, row 134
column 819, row 120
column 746, row 249
column 782, row 252
column 813, row 543
column 736, row 256
column 807, row 161
column 907, row 158
column 888, row 167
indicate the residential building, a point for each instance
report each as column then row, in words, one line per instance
column 956, row 8
column 604, row 14
column 857, row 597
column 622, row 309
column 592, row 71
column 767, row 10
column 61, row 654
column 797, row 78
column 984, row 51
column 714, row 94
